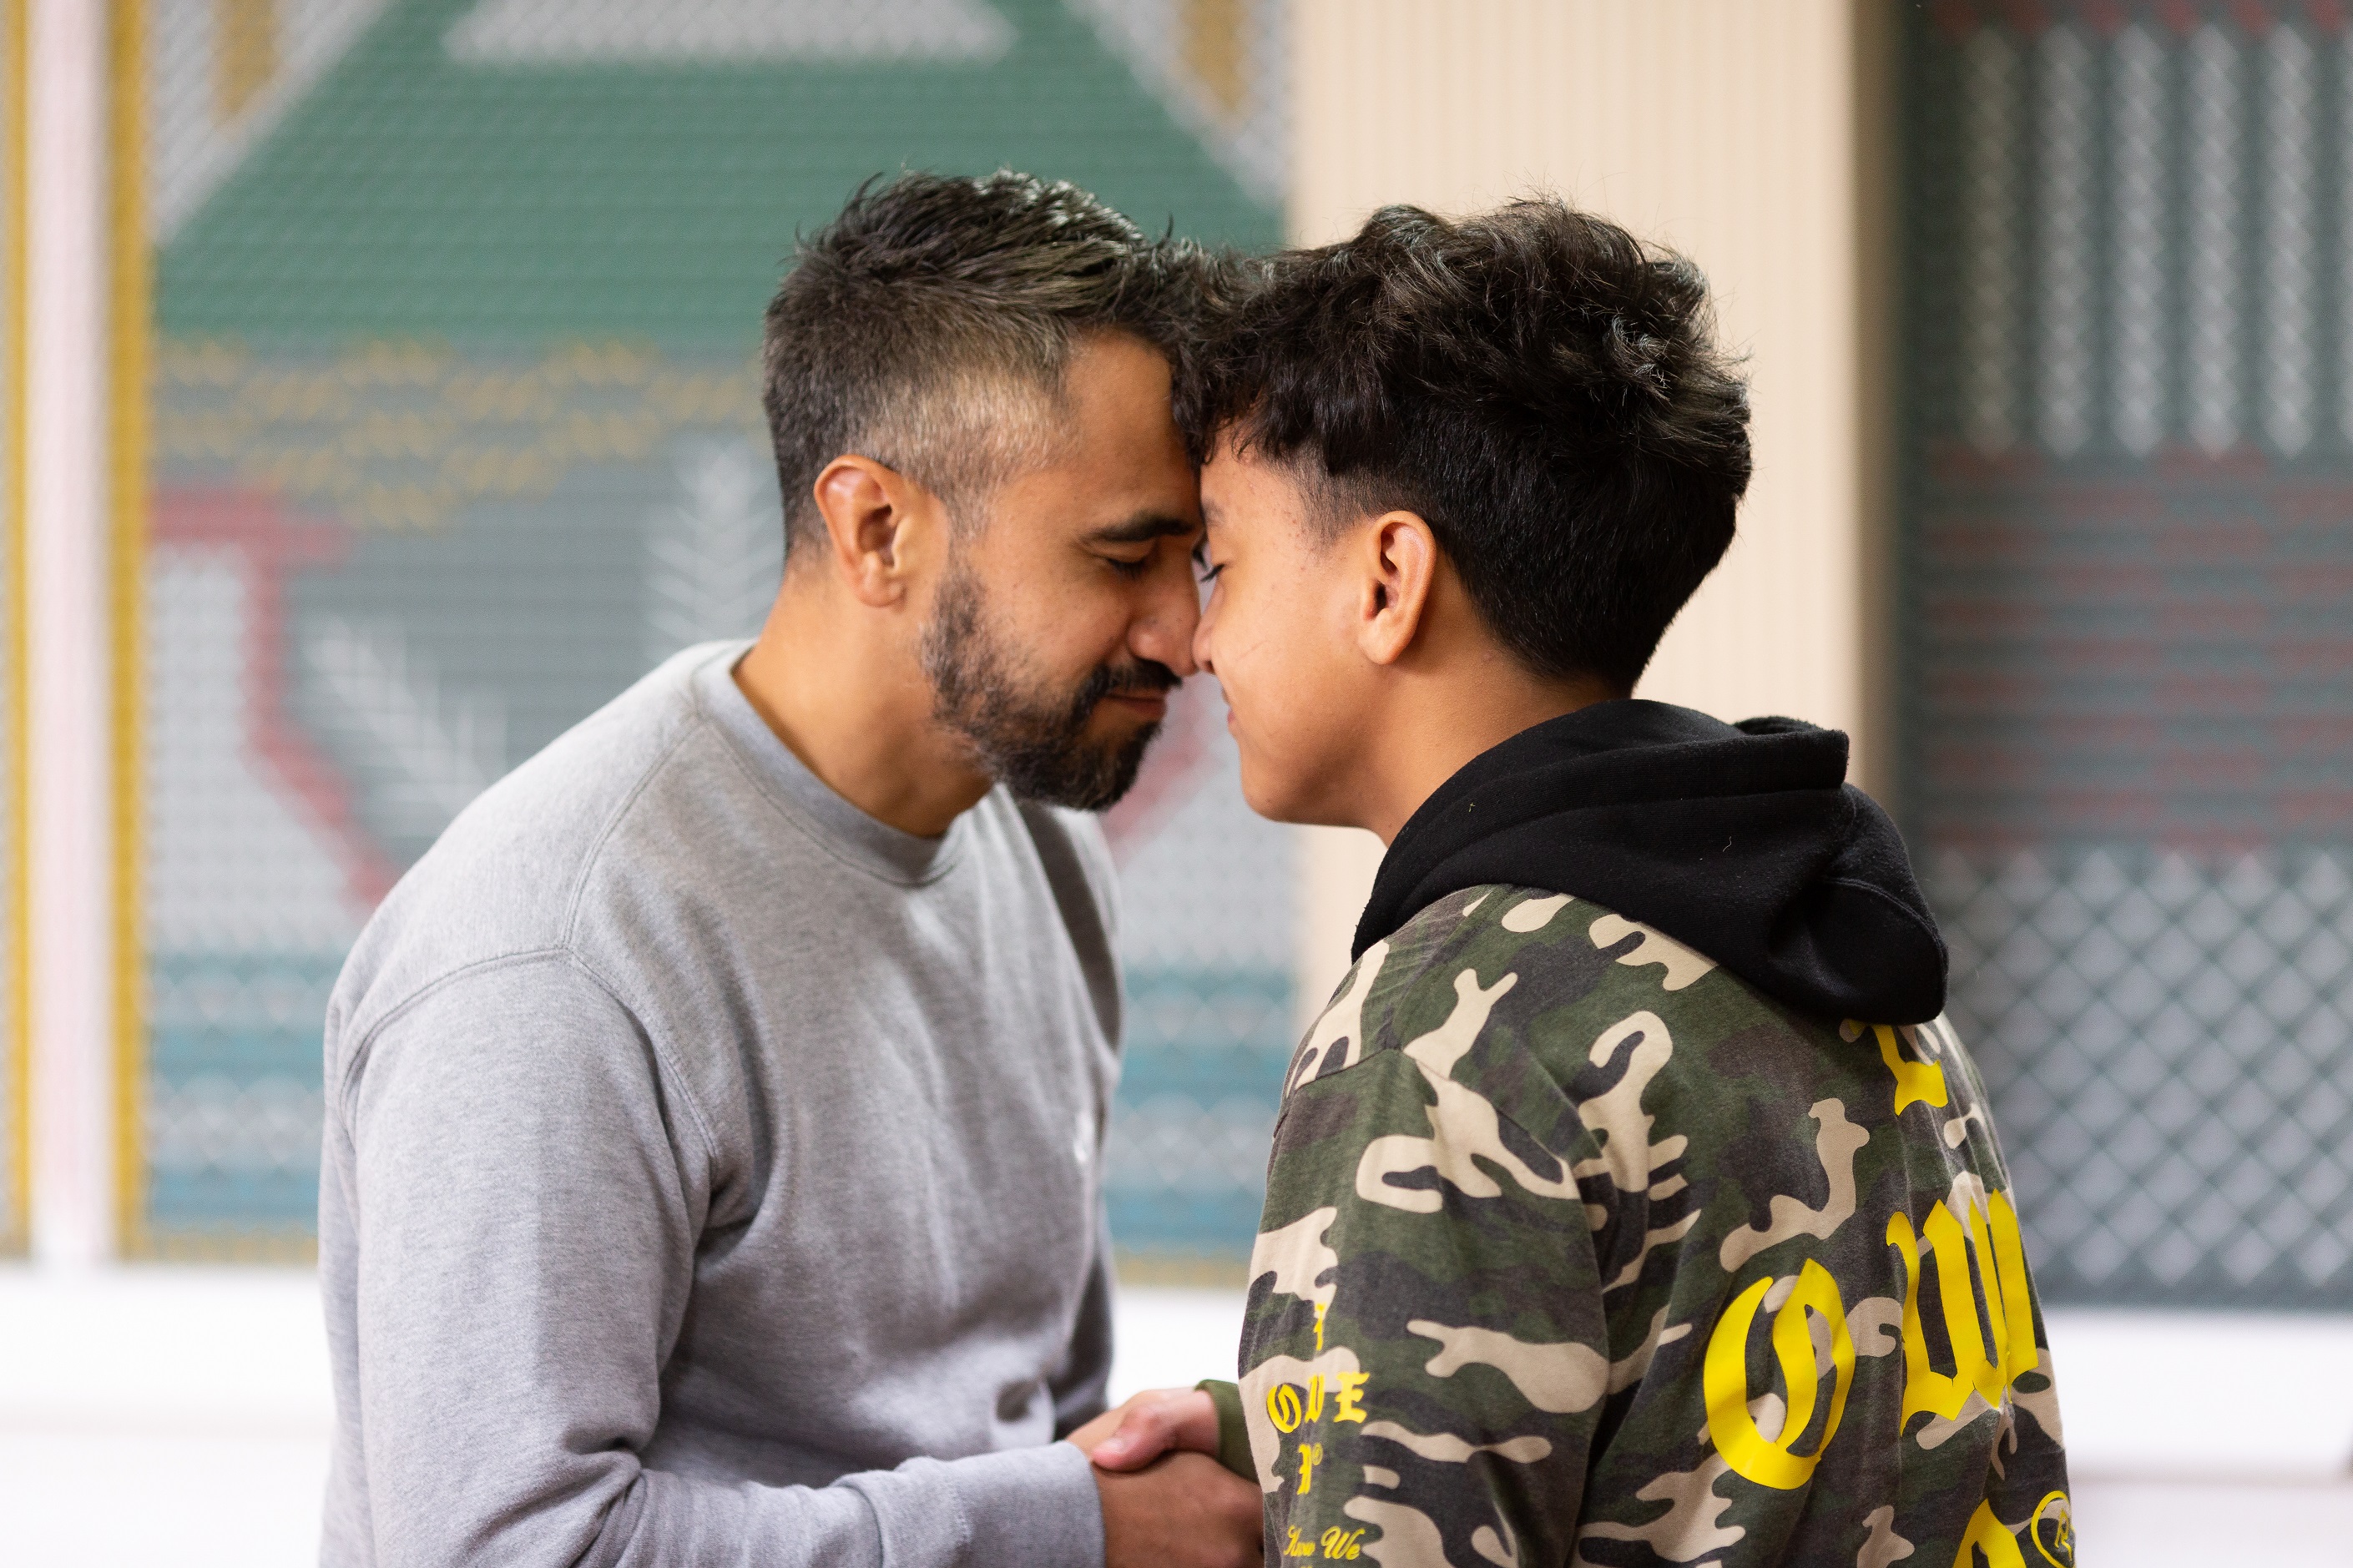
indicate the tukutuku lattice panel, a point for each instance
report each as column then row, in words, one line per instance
column 450, row 433
column 2128, row 622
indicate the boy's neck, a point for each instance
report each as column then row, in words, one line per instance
column 1437, row 720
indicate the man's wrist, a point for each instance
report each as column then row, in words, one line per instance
column 1031, row 1506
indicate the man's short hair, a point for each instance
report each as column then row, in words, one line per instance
column 929, row 326
column 1541, row 387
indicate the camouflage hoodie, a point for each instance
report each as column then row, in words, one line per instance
column 1582, row 1247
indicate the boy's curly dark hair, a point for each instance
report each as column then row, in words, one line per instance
column 1541, row 387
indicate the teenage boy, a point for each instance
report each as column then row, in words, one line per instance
column 712, row 1169
column 1630, row 1204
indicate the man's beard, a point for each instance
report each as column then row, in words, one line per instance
column 1034, row 744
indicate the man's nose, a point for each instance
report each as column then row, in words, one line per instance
column 1164, row 634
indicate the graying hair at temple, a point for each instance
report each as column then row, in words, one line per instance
column 929, row 325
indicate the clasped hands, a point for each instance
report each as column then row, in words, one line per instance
column 1166, row 1500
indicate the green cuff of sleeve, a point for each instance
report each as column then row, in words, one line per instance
column 1233, row 1432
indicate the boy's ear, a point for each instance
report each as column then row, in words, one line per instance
column 1400, row 563
column 877, row 520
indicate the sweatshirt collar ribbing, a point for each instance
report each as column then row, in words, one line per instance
column 861, row 840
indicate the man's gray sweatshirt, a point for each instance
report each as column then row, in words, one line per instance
column 712, row 1172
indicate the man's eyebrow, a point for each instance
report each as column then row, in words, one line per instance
column 1142, row 528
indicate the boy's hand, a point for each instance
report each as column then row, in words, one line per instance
column 1148, row 1425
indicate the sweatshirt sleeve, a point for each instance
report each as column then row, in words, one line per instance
column 1081, row 1389
column 526, row 1189
column 1425, row 1363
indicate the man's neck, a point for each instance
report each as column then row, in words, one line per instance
column 847, row 695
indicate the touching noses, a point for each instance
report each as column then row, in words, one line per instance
column 1202, row 618
column 1164, row 632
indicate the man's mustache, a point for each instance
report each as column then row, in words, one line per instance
column 1141, row 676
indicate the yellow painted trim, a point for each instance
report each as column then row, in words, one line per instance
column 1216, row 43
column 244, row 54
column 128, row 327
column 15, row 36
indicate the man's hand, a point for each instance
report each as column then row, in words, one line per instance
column 1149, row 1426
column 1186, row 1512
column 1088, row 1436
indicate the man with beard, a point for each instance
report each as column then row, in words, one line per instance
column 712, row 1168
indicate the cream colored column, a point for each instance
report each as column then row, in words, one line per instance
column 70, row 851
column 1745, row 135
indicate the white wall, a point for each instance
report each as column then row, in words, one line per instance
column 1726, row 128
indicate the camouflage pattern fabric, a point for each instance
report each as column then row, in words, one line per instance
column 1578, row 1249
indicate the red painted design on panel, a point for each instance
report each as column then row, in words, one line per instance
column 1956, row 19
column 2030, row 17
column 2253, row 17
column 2105, row 17
column 265, row 542
column 1172, row 769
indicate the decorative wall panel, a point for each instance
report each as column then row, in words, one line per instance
column 2129, row 623
column 445, row 431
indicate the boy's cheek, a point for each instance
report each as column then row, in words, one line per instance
column 1266, row 785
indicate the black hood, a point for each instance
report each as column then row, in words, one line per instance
column 1744, row 842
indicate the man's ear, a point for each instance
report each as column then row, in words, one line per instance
column 1400, row 561
column 879, row 525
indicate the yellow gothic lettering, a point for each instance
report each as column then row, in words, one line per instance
column 2010, row 1266
column 1315, row 1396
column 1309, row 1454
column 1282, row 1408
column 1349, row 1388
column 1342, row 1545
column 2053, row 1508
column 1992, row 1250
column 1976, row 1362
column 1989, row 1535
column 1321, row 1308
column 1770, row 1461
column 1915, row 1081
column 1294, row 1547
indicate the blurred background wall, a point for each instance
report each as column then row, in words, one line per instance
column 434, row 426
column 1750, row 138
column 2061, row 538
column 2126, row 721
column 378, row 402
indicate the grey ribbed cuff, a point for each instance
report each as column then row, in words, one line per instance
column 1030, row 1507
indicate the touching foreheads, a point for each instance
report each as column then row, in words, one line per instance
column 929, row 326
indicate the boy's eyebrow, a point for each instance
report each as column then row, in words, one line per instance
column 1142, row 528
